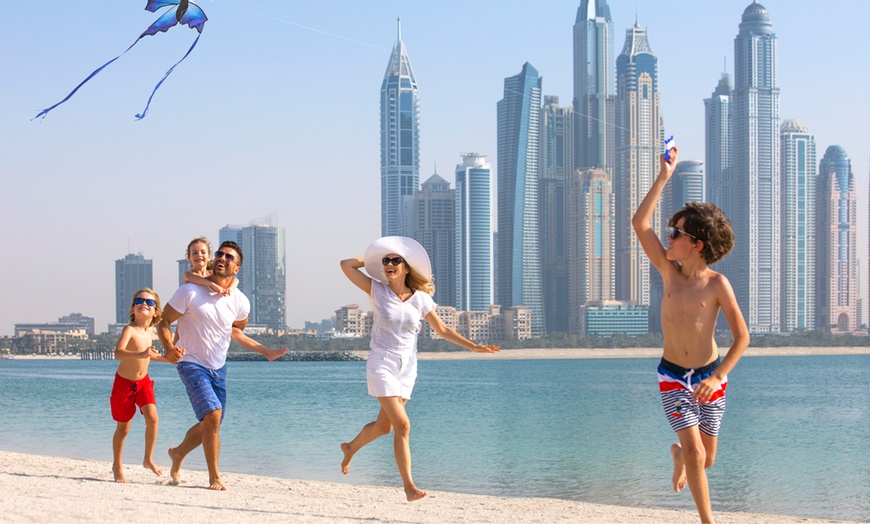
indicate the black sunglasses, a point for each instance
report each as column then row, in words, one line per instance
column 221, row 254
column 675, row 232
column 138, row 301
column 395, row 261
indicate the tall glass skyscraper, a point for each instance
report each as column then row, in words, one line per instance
column 688, row 184
column 590, row 243
column 473, row 218
column 132, row 273
column 400, row 141
column 557, row 146
column 594, row 92
column 798, row 274
column 263, row 277
column 638, row 146
column 518, row 282
column 435, row 229
column 717, row 143
column 836, row 244
column 755, row 208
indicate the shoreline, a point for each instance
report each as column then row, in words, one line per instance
column 572, row 353
column 580, row 353
column 55, row 489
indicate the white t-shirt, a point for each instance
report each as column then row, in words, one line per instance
column 396, row 324
column 206, row 324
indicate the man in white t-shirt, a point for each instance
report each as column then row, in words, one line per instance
column 205, row 326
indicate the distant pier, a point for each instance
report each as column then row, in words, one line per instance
column 98, row 354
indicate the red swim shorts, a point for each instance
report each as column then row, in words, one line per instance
column 127, row 394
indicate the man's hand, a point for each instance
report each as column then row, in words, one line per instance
column 174, row 354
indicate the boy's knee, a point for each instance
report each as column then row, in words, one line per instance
column 695, row 455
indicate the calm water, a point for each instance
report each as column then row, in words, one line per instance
column 794, row 439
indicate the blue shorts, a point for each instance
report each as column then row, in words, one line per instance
column 206, row 388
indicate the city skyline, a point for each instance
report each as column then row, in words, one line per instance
column 237, row 133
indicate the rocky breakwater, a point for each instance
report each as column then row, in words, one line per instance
column 300, row 356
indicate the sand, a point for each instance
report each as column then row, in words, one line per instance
column 35, row 488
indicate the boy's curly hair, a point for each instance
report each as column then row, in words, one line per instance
column 707, row 223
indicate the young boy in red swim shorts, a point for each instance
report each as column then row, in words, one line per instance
column 132, row 385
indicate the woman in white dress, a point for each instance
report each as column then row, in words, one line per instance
column 400, row 288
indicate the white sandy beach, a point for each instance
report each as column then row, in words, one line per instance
column 36, row 488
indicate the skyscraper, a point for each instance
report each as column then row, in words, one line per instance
column 473, row 218
column 718, row 139
column 518, row 282
column 717, row 143
column 798, row 249
column 556, row 147
column 263, row 277
column 132, row 273
column 400, row 141
column 638, row 146
column 435, row 229
column 755, row 208
column 594, row 92
column 688, row 184
column 836, row 245
column 590, row 243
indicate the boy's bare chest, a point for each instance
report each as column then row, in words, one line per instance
column 688, row 299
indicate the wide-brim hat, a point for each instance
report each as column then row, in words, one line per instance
column 408, row 248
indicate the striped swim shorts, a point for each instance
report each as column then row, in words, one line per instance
column 676, row 384
column 206, row 388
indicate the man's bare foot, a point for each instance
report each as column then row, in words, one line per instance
column 348, row 455
column 118, row 471
column 274, row 354
column 215, row 484
column 414, row 494
column 679, row 478
column 149, row 464
column 175, row 470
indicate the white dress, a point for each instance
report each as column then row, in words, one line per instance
column 391, row 369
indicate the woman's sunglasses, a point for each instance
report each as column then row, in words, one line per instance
column 394, row 261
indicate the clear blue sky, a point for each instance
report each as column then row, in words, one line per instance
column 276, row 111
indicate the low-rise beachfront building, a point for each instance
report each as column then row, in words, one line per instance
column 605, row 318
column 515, row 323
column 48, row 342
column 351, row 319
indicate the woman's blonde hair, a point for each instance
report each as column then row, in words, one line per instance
column 415, row 281
column 157, row 310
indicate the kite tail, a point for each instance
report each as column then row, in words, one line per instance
column 45, row 111
column 141, row 115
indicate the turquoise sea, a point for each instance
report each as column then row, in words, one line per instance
column 795, row 438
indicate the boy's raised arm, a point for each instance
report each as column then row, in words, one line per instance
column 641, row 221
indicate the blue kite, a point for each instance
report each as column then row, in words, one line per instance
column 187, row 13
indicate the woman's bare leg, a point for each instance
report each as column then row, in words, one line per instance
column 394, row 408
column 371, row 431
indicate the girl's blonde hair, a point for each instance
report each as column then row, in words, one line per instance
column 157, row 310
column 415, row 281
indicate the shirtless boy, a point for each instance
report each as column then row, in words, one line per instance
column 692, row 378
column 132, row 385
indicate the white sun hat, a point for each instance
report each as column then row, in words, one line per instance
column 408, row 248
